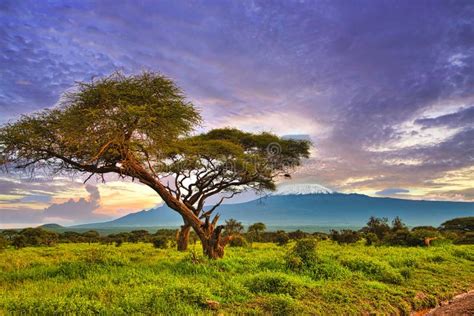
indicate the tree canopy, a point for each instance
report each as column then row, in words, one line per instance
column 139, row 127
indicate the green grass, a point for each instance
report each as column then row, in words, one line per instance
column 138, row 279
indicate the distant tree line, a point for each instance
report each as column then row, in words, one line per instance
column 377, row 231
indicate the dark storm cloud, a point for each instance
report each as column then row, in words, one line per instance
column 356, row 72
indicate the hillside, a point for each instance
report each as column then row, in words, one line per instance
column 320, row 209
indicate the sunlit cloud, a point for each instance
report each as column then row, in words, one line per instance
column 382, row 111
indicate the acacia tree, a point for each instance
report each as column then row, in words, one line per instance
column 138, row 127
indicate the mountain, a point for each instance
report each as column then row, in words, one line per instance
column 301, row 189
column 309, row 205
column 51, row 226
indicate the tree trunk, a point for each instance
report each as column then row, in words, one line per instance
column 183, row 237
column 213, row 245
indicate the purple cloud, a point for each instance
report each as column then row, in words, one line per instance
column 353, row 75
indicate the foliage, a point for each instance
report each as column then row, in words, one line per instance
column 281, row 238
column 233, row 227
column 139, row 127
column 302, row 254
column 160, row 242
column 298, row 234
column 139, row 279
column 461, row 224
column 272, row 283
column 3, row 242
column 238, row 241
column 466, row 239
column 345, row 236
column 254, row 232
column 377, row 226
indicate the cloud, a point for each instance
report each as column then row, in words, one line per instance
column 26, row 209
column 392, row 191
column 354, row 76
column 80, row 210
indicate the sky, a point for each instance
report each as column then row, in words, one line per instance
column 384, row 89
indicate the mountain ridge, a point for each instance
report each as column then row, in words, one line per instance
column 319, row 209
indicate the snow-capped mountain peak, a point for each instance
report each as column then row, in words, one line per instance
column 301, row 189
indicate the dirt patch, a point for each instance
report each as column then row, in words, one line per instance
column 462, row 304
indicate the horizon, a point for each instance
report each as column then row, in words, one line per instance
column 383, row 90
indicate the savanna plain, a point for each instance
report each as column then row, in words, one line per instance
column 262, row 278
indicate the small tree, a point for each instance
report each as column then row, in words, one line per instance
column 460, row 224
column 3, row 242
column 255, row 231
column 233, row 227
column 19, row 241
column 397, row 224
column 91, row 236
column 9, row 234
column 377, row 226
column 138, row 127
column 281, row 238
column 345, row 236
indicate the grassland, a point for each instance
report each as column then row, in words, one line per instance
column 139, row 279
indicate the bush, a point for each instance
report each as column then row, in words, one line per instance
column 305, row 249
column 374, row 270
column 281, row 305
column 189, row 294
column 402, row 237
column 303, row 254
column 345, row 236
column 238, row 241
column 275, row 283
column 3, row 242
column 160, row 242
column 328, row 270
column 297, row 235
column 19, row 241
column 371, row 239
column 465, row 239
column 378, row 226
column 281, row 238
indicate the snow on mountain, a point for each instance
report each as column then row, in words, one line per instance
column 301, row 189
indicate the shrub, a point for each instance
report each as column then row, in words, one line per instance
column 461, row 224
column 238, row 241
column 303, row 254
column 294, row 263
column 281, row 238
column 345, row 236
column 374, row 270
column 3, row 242
column 328, row 270
column 465, row 239
column 378, row 226
column 189, row 294
column 19, row 241
column 371, row 239
column 305, row 249
column 281, row 305
column 297, row 234
column 275, row 283
column 464, row 254
column 401, row 237
column 160, row 242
